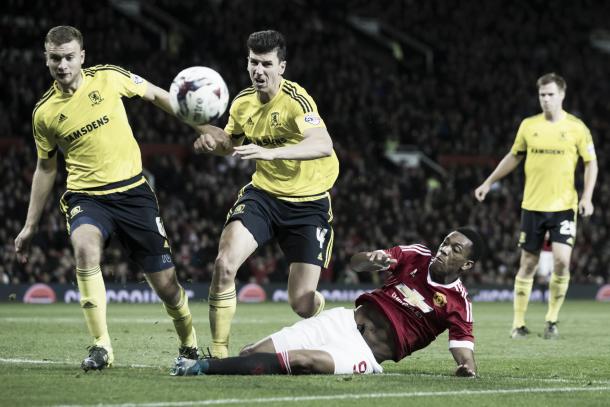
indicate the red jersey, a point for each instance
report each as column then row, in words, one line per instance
column 418, row 308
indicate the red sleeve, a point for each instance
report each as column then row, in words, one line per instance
column 460, row 325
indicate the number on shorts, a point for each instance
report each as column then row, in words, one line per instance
column 321, row 236
column 568, row 227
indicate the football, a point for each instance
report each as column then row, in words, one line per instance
column 198, row 95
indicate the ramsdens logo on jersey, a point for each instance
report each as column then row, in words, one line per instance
column 270, row 141
column 551, row 151
column 89, row 127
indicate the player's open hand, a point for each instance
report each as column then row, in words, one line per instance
column 253, row 152
column 465, row 371
column 481, row 192
column 205, row 143
column 22, row 244
column 585, row 208
column 381, row 259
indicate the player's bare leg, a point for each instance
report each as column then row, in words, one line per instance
column 175, row 301
column 87, row 243
column 236, row 245
column 523, row 288
column 302, row 294
column 263, row 346
column 558, row 287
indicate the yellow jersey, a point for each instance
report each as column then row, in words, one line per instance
column 90, row 127
column 279, row 122
column 552, row 151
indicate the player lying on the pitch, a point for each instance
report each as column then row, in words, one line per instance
column 421, row 297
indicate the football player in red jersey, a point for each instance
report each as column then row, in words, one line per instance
column 421, row 298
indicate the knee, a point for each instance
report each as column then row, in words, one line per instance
column 302, row 364
column 561, row 265
column 169, row 293
column 310, row 363
column 528, row 264
column 247, row 350
column 303, row 306
column 224, row 269
column 86, row 255
column 165, row 284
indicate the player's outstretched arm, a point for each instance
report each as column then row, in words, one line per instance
column 585, row 205
column 214, row 140
column 505, row 167
column 316, row 143
column 371, row 261
column 42, row 184
column 211, row 139
column 159, row 97
column 464, row 357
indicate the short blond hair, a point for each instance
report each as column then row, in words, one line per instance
column 63, row 34
column 552, row 78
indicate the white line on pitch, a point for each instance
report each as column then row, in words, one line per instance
column 543, row 380
column 299, row 399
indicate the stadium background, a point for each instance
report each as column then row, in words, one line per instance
column 376, row 90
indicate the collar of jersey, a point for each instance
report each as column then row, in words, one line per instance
column 276, row 97
column 61, row 93
column 434, row 284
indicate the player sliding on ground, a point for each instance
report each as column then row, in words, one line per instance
column 422, row 296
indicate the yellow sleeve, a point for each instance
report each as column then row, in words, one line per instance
column 308, row 117
column 46, row 145
column 586, row 148
column 233, row 128
column 127, row 83
column 520, row 146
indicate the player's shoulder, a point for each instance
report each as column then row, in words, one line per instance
column 97, row 71
column 298, row 96
column 43, row 102
column 244, row 96
column 533, row 120
column 575, row 121
column 414, row 250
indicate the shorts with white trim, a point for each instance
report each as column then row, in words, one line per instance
column 333, row 331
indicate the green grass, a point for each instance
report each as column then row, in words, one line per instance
column 41, row 347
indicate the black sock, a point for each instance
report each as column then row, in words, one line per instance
column 253, row 364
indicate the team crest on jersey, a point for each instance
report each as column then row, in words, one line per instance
column 95, row 97
column 440, row 300
column 275, row 119
column 239, row 209
column 75, row 211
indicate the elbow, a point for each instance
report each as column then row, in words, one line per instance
column 327, row 149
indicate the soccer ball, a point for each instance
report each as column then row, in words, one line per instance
column 198, row 95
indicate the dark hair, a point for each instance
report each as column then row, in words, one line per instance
column 552, row 78
column 478, row 244
column 63, row 34
column 262, row 42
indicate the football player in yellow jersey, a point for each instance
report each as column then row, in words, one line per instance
column 82, row 115
column 288, row 197
column 551, row 143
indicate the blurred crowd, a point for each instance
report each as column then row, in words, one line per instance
column 463, row 114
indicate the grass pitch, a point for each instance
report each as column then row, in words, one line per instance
column 41, row 348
